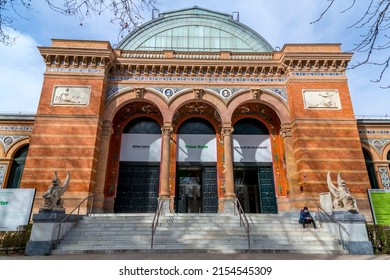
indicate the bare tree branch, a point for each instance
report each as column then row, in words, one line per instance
column 126, row 13
column 374, row 23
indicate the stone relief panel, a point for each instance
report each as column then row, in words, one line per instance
column 321, row 99
column 71, row 95
column 384, row 174
column 3, row 169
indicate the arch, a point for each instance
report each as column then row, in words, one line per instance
column 373, row 152
column 208, row 98
column 266, row 98
column 17, row 167
column 386, row 152
column 120, row 100
column 370, row 169
column 16, row 146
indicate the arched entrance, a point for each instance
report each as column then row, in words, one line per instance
column 253, row 172
column 370, row 170
column 196, row 179
column 139, row 167
column 17, row 167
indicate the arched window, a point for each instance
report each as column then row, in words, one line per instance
column 17, row 167
column 142, row 126
column 388, row 158
column 196, row 126
column 370, row 170
column 250, row 127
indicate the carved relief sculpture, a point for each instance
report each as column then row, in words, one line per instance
column 52, row 197
column 342, row 198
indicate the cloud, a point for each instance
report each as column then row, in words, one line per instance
column 21, row 75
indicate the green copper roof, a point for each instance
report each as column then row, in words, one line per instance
column 195, row 29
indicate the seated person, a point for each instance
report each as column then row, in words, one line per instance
column 306, row 218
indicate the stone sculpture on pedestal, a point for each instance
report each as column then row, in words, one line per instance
column 52, row 197
column 342, row 198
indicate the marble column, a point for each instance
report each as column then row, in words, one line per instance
column 165, row 158
column 98, row 204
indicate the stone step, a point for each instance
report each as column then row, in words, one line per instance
column 192, row 232
column 279, row 247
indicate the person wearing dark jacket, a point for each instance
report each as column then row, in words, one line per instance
column 306, row 218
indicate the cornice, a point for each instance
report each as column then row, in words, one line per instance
column 77, row 60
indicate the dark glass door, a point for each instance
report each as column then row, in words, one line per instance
column 210, row 193
column 137, row 189
column 267, row 190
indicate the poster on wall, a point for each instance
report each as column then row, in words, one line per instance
column 197, row 148
column 380, row 206
column 141, row 147
column 15, row 208
column 252, row 148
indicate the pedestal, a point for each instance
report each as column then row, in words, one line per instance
column 229, row 206
column 46, row 231
column 357, row 242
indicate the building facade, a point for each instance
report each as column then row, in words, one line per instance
column 198, row 109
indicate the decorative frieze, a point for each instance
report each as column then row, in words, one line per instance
column 16, row 128
column 71, row 95
column 384, row 175
column 377, row 132
column 75, row 70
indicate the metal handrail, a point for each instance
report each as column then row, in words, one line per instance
column 341, row 227
column 156, row 219
column 243, row 220
column 70, row 213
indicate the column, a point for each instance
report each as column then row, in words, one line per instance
column 98, row 204
column 165, row 158
column 229, row 174
column 228, row 152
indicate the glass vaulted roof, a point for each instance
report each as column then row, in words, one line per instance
column 195, row 29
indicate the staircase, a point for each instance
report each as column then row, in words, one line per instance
column 219, row 233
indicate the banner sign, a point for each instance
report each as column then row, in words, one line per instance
column 380, row 206
column 141, row 147
column 197, row 148
column 252, row 148
column 15, row 208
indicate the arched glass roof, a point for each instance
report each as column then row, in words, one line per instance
column 195, row 29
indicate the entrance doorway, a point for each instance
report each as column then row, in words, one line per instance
column 196, row 190
column 137, row 189
column 254, row 187
column 139, row 167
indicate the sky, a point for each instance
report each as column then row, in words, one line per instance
column 280, row 22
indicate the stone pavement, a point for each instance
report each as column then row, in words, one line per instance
column 196, row 256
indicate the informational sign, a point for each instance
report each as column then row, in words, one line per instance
column 380, row 206
column 252, row 148
column 197, row 148
column 15, row 208
column 141, row 147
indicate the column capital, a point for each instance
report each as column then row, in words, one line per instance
column 227, row 131
column 166, row 130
